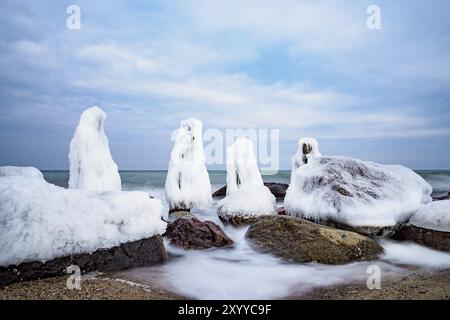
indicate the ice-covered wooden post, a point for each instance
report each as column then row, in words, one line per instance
column 308, row 148
column 247, row 197
column 187, row 182
column 91, row 164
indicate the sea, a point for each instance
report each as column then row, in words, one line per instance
column 153, row 181
column 242, row 273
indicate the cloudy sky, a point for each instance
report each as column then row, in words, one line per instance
column 307, row 68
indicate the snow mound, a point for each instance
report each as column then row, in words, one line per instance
column 8, row 171
column 434, row 216
column 40, row 221
column 354, row 192
column 187, row 182
column 91, row 164
column 246, row 194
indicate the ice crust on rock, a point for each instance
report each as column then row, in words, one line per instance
column 8, row 171
column 354, row 192
column 40, row 221
column 434, row 216
column 187, row 183
column 91, row 164
column 246, row 194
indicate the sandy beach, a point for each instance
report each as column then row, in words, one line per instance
column 418, row 286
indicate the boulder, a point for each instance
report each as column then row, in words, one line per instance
column 277, row 189
column 369, row 231
column 435, row 239
column 429, row 226
column 133, row 254
column 174, row 210
column 191, row 233
column 357, row 195
column 174, row 215
column 301, row 241
column 440, row 198
column 238, row 220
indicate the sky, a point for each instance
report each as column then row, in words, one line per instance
column 306, row 68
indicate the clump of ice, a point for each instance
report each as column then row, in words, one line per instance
column 246, row 194
column 307, row 149
column 40, row 221
column 8, row 171
column 187, row 182
column 354, row 192
column 434, row 216
column 91, row 164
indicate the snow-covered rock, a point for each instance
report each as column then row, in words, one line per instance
column 187, row 182
column 247, row 197
column 355, row 193
column 433, row 216
column 91, row 164
column 8, row 171
column 429, row 226
column 40, row 221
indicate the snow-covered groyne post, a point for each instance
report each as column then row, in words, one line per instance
column 308, row 148
column 187, row 182
column 91, row 164
column 247, row 197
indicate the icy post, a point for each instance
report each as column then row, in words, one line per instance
column 187, row 182
column 246, row 194
column 308, row 149
column 91, row 164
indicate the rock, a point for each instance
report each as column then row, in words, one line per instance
column 179, row 214
column 191, row 233
column 301, row 241
column 369, row 231
column 221, row 193
column 171, row 211
column 347, row 191
column 277, row 189
column 281, row 211
column 447, row 197
column 238, row 220
column 133, row 254
column 435, row 239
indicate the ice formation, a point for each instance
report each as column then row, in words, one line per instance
column 40, row 221
column 8, row 171
column 187, row 182
column 246, row 194
column 434, row 216
column 308, row 149
column 91, row 164
column 354, row 192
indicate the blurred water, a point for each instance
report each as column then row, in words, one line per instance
column 153, row 181
column 241, row 272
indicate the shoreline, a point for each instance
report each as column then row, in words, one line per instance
column 417, row 286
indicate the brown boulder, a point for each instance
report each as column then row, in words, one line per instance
column 191, row 233
column 301, row 241
column 447, row 197
column 133, row 254
column 439, row 240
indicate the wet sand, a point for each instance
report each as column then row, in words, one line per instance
column 98, row 288
column 420, row 286
column 417, row 286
